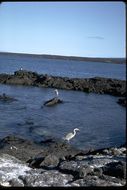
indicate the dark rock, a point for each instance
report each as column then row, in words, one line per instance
column 40, row 79
column 109, row 151
column 52, row 154
column 29, row 122
column 47, row 141
column 19, row 81
column 117, row 169
column 20, row 148
column 98, row 171
column 50, row 161
column 112, row 180
column 84, row 171
column 69, row 167
column 62, row 149
column 22, row 77
column 53, row 102
column 93, row 181
column 100, row 85
column 77, row 169
column 25, row 73
column 47, row 178
column 56, row 163
column 25, row 149
column 6, row 98
column 4, row 78
column 13, row 140
column 35, row 163
column 15, row 173
column 122, row 101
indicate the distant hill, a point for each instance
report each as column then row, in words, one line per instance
column 74, row 58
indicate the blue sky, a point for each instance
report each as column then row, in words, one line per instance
column 87, row 29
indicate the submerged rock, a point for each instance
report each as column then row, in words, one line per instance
column 122, row 101
column 18, row 147
column 6, row 98
column 117, row 169
column 52, row 102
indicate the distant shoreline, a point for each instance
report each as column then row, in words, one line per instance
column 72, row 58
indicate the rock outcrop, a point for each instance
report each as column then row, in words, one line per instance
column 52, row 102
column 122, row 101
column 96, row 85
column 6, row 98
column 55, row 163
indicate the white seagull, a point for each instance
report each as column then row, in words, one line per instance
column 71, row 135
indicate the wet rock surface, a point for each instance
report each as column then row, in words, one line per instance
column 122, row 101
column 6, row 98
column 52, row 102
column 20, row 148
column 56, row 163
column 96, row 85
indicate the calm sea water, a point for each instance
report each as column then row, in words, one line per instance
column 101, row 120
column 65, row 68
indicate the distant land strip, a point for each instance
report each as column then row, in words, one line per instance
column 73, row 58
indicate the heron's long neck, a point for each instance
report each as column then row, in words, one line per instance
column 56, row 92
column 74, row 132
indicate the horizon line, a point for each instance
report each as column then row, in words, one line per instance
column 73, row 56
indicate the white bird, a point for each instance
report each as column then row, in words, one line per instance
column 21, row 69
column 56, row 92
column 71, row 135
column 13, row 147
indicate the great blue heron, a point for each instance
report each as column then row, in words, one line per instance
column 71, row 135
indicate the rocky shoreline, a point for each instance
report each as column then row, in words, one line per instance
column 56, row 163
column 98, row 85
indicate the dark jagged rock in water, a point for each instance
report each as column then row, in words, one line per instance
column 122, row 101
column 117, row 169
column 52, row 102
column 6, row 98
column 25, row 73
column 98, row 85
